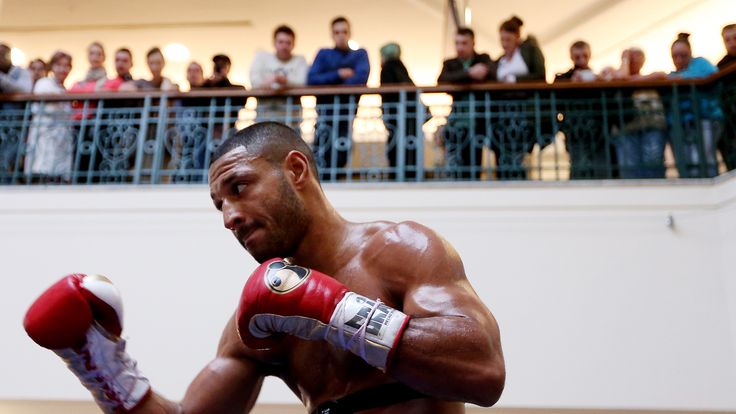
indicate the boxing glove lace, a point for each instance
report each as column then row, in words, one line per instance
column 80, row 319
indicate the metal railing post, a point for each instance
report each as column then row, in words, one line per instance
column 80, row 139
column 555, row 129
column 22, row 141
column 678, row 148
column 538, row 130
column 142, row 133
column 400, row 138
column 158, row 145
column 419, row 109
column 352, row 113
column 700, row 135
column 95, row 141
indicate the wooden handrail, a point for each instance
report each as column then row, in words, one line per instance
column 363, row 90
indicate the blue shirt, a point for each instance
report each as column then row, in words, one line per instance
column 709, row 106
column 328, row 61
column 698, row 68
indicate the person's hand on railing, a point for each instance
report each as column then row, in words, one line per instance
column 345, row 73
column 128, row 87
column 478, row 72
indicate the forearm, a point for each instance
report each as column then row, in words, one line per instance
column 7, row 84
column 323, row 78
column 451, row 357
column 454, row 76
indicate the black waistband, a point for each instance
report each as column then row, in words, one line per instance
column 374, row 397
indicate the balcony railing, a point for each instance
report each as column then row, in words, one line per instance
column 531, row 131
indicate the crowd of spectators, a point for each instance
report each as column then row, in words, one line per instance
column 638, row 147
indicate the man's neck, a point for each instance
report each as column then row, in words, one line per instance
column 326, row 242
column 284, row 58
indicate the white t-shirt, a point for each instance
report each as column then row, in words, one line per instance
column 509, row 69
column 266, row 65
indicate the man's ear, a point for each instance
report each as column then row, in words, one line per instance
column 296, row 165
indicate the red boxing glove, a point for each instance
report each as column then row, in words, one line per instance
column 281, row 297
column 80, row 319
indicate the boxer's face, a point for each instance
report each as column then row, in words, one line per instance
column 258, row 204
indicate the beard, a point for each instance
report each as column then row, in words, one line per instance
column 289, row 225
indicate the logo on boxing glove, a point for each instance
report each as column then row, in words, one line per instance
column 282, row 277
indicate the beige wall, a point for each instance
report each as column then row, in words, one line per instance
column 601, row 304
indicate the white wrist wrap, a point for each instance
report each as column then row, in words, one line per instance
column 366, row 328
column 104, row 367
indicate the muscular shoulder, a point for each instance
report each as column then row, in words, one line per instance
column 410, row 253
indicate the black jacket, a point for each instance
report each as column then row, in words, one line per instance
column 453, row 70
column 393, row 71
column 534, row 59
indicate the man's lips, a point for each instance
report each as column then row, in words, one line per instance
column 243, row 233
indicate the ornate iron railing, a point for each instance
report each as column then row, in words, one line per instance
column 531, row 131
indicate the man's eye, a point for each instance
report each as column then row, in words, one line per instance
column 238, row 188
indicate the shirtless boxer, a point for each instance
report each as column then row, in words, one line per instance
column 428, row 345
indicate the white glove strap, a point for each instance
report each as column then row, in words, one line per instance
column 104, row 367
column 366, row 328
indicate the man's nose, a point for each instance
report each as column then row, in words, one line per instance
column 232, row 218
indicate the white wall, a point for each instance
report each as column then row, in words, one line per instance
column 601, row 305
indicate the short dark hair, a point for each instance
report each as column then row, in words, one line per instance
column 124, row 50
column 153, row 51
column 39, row 60
column 465, row 31
column 57, row 56
column 580, row 44
column 683, row 38
column 728, row 27
column 339, row 19
column 284, row 29
column 512, row 25
column 221, row 60
column 271, row 140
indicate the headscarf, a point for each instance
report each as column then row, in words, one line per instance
column 390, row 51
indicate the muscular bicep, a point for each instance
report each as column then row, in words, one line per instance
column 230, row 383
column 443, row 291
column 451, row 347
column 436, row 283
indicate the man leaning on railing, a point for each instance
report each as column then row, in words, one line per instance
column 463, row 152
column 727, row 144
column 583, row 123
column 336, row 66
column 700, row 116
column 276, row 72
column 13, row 79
